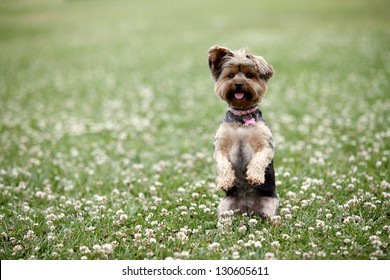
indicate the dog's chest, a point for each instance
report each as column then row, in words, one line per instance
column 240, row 142
column 241, row 150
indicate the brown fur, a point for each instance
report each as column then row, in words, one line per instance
column 238, row 146
column 241, row 64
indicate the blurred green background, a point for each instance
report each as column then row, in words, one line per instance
column 112, row 102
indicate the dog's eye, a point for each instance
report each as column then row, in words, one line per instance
column 231, row 76
column 249, row 75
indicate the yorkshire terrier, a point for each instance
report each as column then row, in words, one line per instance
column 244, row 148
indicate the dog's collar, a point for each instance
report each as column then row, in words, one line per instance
column 240, row 113
column 246, row 117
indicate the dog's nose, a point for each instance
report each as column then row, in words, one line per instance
column 238, row 86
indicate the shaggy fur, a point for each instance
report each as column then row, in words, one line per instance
column 244, row 148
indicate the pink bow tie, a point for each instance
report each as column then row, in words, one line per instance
column 250, row 121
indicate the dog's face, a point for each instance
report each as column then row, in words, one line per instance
column 240, row 77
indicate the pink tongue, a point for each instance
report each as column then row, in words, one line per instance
column 239, row 95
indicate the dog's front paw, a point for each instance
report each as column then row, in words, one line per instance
column 255, row 177
column 225, row 181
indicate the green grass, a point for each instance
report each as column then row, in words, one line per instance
column 108, row 117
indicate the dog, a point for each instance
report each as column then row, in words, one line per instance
column 244, row 147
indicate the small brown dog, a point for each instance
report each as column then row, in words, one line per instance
column 244, row 148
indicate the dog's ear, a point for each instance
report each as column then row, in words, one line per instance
column 216, row 55
column 265, row 69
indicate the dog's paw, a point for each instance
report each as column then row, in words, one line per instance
column 226, row 181
column 255, row 177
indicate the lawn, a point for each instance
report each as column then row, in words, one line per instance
column 108, row 117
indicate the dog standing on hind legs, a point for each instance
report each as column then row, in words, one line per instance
column 244, row 148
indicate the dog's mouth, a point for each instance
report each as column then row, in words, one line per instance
column 241, row 99
column 239, row 95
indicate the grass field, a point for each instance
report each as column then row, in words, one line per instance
column 108, row 117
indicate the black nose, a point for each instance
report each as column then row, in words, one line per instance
column 238, row 86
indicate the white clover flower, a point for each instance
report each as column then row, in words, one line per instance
column 149, row 254
column 51, row 217
column 214, row 246
column 40, row 194
column 153, row 190
column 252, row 222
column 156, row 200
column 30, row 235
column 269, row 256
column 320, row 223
column 350, row 187
column 164, row 212
column 195, row 195
column 226, row 214
column 84, row 250
column 137, row 236
column 17, row 249
column 275, row 245
column 284, row 211
column 384, row 185
column 4, row 235
column 107, row 249
column 149, row 232
column 51, row 237
column 291, row 195
column 97, row 249
column 321, row 254
column 377, row 253
column 370, row 205
column 91, row 228
column 236, row 255
column 182, row 236
column 276, row 220
column 305, row 203
column 183, row 254
column 181, row 190
column 123, row 217
column 242, row 229
column 138, row 228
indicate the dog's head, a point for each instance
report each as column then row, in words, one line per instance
column 240, row 77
